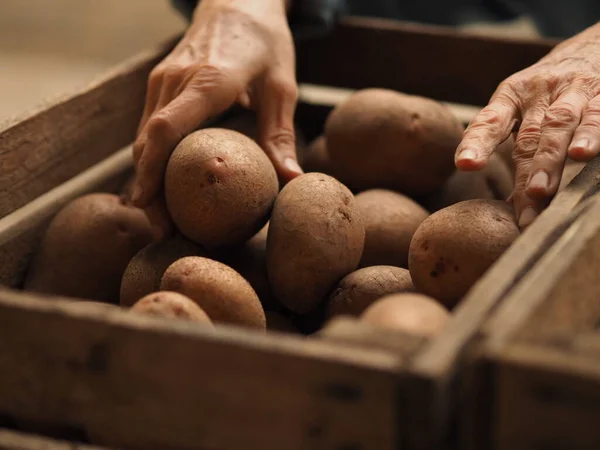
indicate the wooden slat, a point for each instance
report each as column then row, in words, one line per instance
column 138, row 382
column 60, row 139
column 12, row 440
column 546, row 399
column 441, row 63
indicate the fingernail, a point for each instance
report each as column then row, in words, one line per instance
column 582, row 144
column 292, row 165
column 528, row 215
column 467, row 154
column 137, row 193
column 539, row 181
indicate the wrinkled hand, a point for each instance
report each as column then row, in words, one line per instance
column 554, row 109
column 234, row 51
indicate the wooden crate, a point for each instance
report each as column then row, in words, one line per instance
column 99, row 375
column 533, row 377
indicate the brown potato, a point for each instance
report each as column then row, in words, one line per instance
column 218, row 289
column 411, row 313
column 315, row 157
column 316, row 237
column 145, row 270
column 87, row 247
column 495, row 181
column 171, row 305
column 390, row 221
column 456, row 245
column 384, row 139
column 359, row 289
column 219, row 187
column 250, row 261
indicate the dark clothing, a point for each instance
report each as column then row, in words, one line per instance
column 554, row 18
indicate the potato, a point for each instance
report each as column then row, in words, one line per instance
column 145, row 270
column 315, row 157
column 411, row 313
column 359, row 289
column 316, row 237
column 495, row 181
column 87, row 247
column 171, row 305
column 384, row 139
column 250, row 261
column 390, row 221
column 219, row 187
column 456, row 245
column 218, row 289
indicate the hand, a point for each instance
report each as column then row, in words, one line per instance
column 234, row 51
column 554, row 109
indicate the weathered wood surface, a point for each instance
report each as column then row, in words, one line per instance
column 138, row 382
column 436, row 62
column 61, row 139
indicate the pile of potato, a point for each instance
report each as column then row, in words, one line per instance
column 381, row 227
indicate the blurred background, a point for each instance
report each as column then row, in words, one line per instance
column 49, row 47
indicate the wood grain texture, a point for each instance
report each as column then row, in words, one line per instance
column 138, row 382
column 12, row 440
column 435, row 62
column 63, row 138
column 546, row 399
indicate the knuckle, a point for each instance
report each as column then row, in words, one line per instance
column 156, row 75
column 487, row 118
column 161, row 128
column 173, row 71
column 559, row 116
column 283, row 138
column 550, row 148
column 208, row 77
column 286, row 90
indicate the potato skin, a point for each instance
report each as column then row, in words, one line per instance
column 456, row 245
column 495, row 181
column 315, row 157
column 390, row 221
column 87, row 247
column 219, row 187
column 250, row 261
column 218, row 289
column 145, row 270
column 411, row 313
column 316, row 237
column 359, row 289
column 384, row 139
column 171, row 305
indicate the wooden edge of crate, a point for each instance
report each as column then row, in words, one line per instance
column 123, row 379
column 545, row 398
column 13, row 440
column 65, row 136
column 411, row 58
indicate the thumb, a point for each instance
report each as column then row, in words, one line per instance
column 276, row 107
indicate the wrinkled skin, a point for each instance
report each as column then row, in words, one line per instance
column 235, row 51
column 553, row 109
